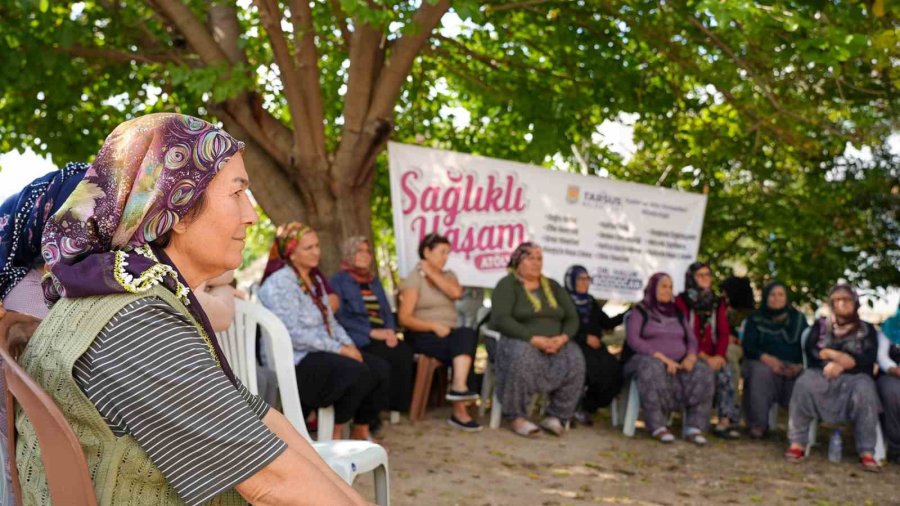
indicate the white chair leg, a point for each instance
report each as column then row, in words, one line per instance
column 496, row 411
column 487, row 386
column 614, row 411
column 325, row 418
column 395, row 417
column 880, row 452
column 382, row 486
column 631, row 409
column 773, row 417
column 811, row 438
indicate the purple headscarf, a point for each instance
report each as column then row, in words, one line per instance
column 147, row 176
column 651, row 303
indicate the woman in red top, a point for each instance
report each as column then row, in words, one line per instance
column 707, row 313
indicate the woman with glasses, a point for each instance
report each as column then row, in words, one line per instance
column 428, row 311
column 837, row 386
column 603, row 372
column 706, row 313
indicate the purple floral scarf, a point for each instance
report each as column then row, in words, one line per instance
column 147, row 176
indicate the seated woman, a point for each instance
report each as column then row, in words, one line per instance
column 662, row 351
column 428, row 312
column 773, row 357
column 126, row 350
column 22, row 218
column 837, row 386
column 537, row 321
column 889, row 383
column 603, row 372
column 331, row 370
column 366, row 315
column 707, row 315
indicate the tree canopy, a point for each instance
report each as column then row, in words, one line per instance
column 752, row 102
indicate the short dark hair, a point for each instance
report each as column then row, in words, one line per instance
column 431, row 241
column 192, row 214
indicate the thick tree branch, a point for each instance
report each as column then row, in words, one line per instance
column 304, row 150
column 192, row 29
column 100, row 54
column 361, row 76
column 307, row 63
column 226, row 31
column 266, row 131
column 404, row 52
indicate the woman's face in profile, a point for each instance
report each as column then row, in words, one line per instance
column 307, row 253
column 214, row 240
column 664, row 290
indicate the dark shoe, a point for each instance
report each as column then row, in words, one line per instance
column 470, row 426
column 455, row 395
column 726, row 433
column 375, row 427
column 757, row 433
column 584, row 418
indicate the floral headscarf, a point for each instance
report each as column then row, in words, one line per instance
column 583, row 301
column 147, row 176
column 22, row 219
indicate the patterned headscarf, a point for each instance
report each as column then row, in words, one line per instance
column 22, row 219
column 287, row 237
column 348, row 262
column 651, row 303
column 701, row 300
column 147, row 176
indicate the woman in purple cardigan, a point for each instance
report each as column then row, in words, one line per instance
column 663, row 358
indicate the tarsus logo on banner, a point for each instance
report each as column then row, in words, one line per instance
column 438, row 208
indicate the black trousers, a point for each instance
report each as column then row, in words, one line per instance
column 603, row 378
column 399, row 360
column 356, row 390
column 460, row 341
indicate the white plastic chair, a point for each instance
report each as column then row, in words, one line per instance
column 347, row 458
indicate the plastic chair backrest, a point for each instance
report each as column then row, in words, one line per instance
column 64, row 463
column 239, row 345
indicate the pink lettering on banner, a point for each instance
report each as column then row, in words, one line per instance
column 436, row 208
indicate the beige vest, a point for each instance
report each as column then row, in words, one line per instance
column 121, row 471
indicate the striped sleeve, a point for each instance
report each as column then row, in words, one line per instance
column 151, row 375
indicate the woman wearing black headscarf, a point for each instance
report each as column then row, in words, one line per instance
column 706, row 314
column 773, row 357
column 603, row 372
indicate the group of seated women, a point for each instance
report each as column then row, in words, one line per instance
column 127, row 243
column 677, row 352
column 347, row 351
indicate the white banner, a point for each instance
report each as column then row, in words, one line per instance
column 621, row 232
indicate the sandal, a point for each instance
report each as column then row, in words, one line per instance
column 663, row 435
column 794, row 455
column 695, row 436
column 869, row 463
column 525, row 429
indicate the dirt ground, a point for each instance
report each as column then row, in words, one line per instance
column 432, row 463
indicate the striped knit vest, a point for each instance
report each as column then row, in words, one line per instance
column 121, row 471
